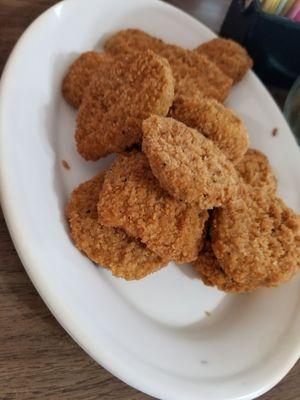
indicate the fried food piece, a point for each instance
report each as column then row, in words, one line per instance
column 185, row 90
column 216, row 122
column 80, row 74
column 187, row 164
column 257, row 172
column 130, row 40
column 229, row 56
column 257, row 239
column 195, row 74
column 212, row 274
column 118, row 99
column 126, row 257
column 132, row 199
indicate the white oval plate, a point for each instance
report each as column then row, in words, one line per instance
column 156, row 334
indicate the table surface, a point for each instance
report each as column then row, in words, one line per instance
column 38, row 360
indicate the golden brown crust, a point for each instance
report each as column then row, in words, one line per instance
column 257, row 239
column 118, row 99
column 257, row 172
column 129, row 40
column 80, row 74
column 229, row 56
column 195, row 74
column 188, row 165
column 124, row 256
column 133, row 200
column 216, row 122
column 212, row 274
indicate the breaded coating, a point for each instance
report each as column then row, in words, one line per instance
column 129, row 40
column 118, row 99
column 216, row 122
column 126, row 257
column 257, row 172
column 187, row 164
column 132, row 199
column 115, row 103
column 212, row 274
column 184, row 89
column 257, row 239
column 195, row 74
column 80, row 74
column 229, row 56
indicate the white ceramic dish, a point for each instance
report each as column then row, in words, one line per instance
column 154, row 334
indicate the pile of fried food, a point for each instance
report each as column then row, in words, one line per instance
column 184, row 185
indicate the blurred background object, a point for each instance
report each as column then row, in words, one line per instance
column 292, row 109
column 273, row 41
column 285, row 8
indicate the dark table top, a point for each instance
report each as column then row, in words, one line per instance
column 38, row 360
